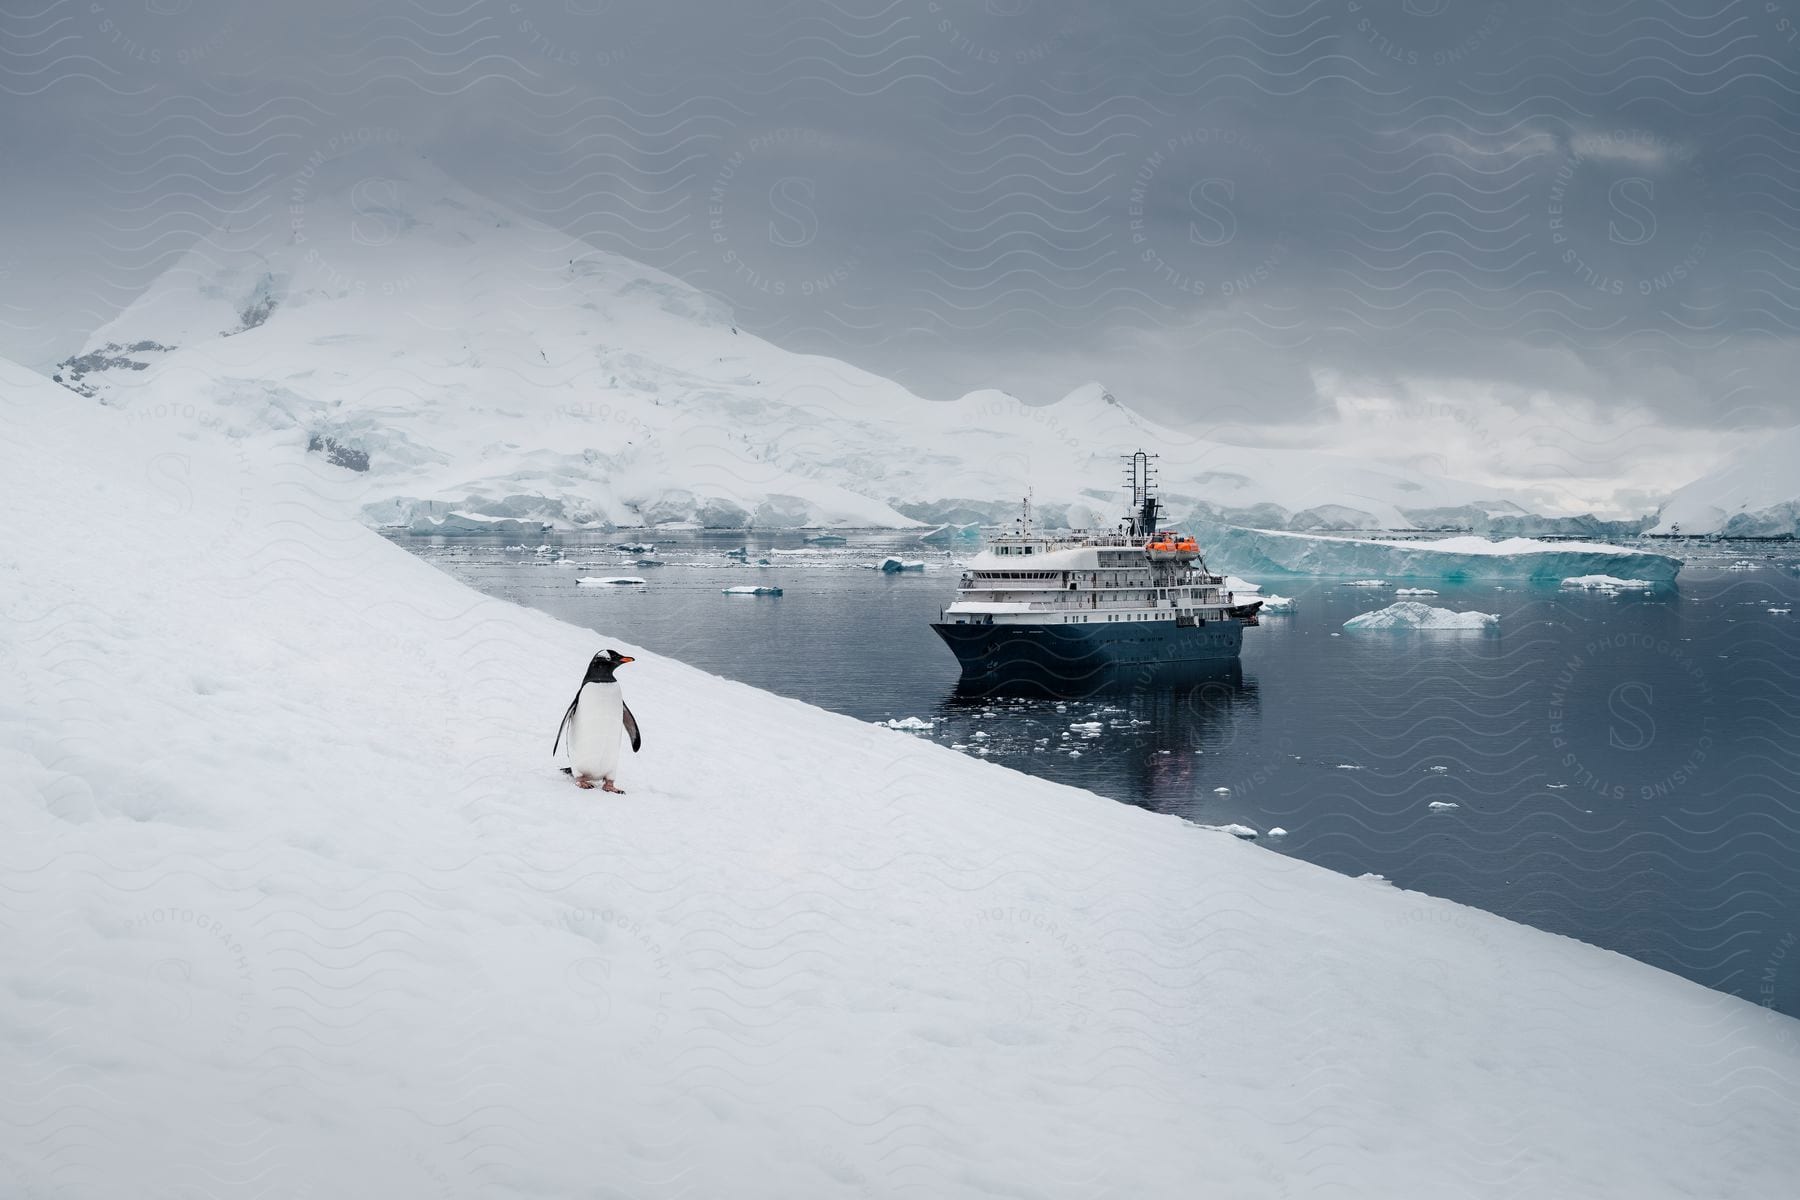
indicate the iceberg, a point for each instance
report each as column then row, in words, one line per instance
column 1454, row 559
column 945, row 535
column 1411, row 614
column 610, row 580
column 745, row 590
column 893, row 566
column 1606, row 583
column 1415, row 591
column 1274, row 603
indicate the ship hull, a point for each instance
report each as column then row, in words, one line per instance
column 1060, row 660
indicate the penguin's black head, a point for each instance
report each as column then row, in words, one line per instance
column 600, row 667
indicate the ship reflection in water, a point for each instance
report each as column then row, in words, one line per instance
column 1160, row 725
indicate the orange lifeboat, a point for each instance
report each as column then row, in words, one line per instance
column 1167, row 546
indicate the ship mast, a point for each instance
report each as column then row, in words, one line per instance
column 1140, row 478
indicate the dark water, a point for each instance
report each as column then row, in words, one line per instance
column 1625, row 769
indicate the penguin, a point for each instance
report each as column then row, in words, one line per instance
column 593, row 721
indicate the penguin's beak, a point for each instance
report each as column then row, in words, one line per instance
column 625, row 658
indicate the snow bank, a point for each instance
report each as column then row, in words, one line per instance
column 296, row 905
column 1262, row 551
column 1411, row 614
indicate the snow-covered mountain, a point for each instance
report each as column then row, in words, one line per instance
column 473, row 365
column 1755, row 493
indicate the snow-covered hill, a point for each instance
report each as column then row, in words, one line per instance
column 464, row 360
column 295, row 905
column 1756, row 493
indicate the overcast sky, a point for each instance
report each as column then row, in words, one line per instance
column 1535, row 242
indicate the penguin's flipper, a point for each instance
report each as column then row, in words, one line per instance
column 568, row 715
column 631, row 728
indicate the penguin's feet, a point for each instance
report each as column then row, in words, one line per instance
column 609, row 786
column 582, row 781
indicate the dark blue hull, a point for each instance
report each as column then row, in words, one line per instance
column 1061, row 660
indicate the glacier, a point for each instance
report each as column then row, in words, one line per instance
column 1754, row 493
column 1276, row 552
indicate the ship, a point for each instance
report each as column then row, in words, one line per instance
column 1065, row 612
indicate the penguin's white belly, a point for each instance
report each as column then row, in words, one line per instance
column 596, row 730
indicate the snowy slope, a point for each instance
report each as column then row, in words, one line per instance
column 1754, row 494
column 467, row 360
column 296, row 905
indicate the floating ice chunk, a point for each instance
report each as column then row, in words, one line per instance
column 1348, row 767
column 1410, row 614
column 1274, row 603
column 1606, row 583
column 544, row 549
column 1221, row 791
column 748, row 590
column 909, row 723
column 1415, row 591
column 1367, row 583
column 1781, row 611
column 637, row 547
column 1088, row 727
column 610, row 580
column 1371, row 877
column 1277, row 831
column 1442, row 804
column 1439, row 768
column 893, row 566
column 1236, row 831
column 1234, row 584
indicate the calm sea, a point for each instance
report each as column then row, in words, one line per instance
column 1623, row 769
